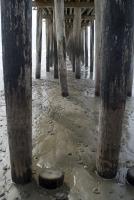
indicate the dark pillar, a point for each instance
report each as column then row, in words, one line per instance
column 130, row 76
column 17, row 63
column 92, row 46
column 98, row 35
column 70, row 48
column 47, row 45
column 51, row 42
column 69, row 41
column 56, row 74
column 82, row 45
column 77, row 41
column 38, row 43
column 73, row 50
column 117, row 31
column 86, row 46
column 61, row 46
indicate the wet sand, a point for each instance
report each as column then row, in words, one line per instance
column 65, row 132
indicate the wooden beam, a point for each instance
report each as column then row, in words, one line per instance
column 70, row 17
column 83, row 4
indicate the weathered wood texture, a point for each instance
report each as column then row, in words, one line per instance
column 17, row 63
column 86, row 46
column 117, row 29
column 98, row 35
column 61, row 46
column 38, row 43
column 77, row 41
column 92, row 46
column 56, row 73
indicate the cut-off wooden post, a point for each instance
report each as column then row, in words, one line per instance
column 17, row 64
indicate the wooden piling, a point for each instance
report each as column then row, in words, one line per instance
column 73, row 50
column 61, row 46
column 77, row 41
column 117, row 34
column 56, row 73
column 17, row 63
column 98, row 36
column 47, row 45
column 86, row 46
column 69, row 42
column 70, row 45
column 91, row 47
column 72, row 57
column 51, row 42
column 82, row 45
column 130, row 74
column 38, row 42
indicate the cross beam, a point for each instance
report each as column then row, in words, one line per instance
column 70, row 4
column 47, row 16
